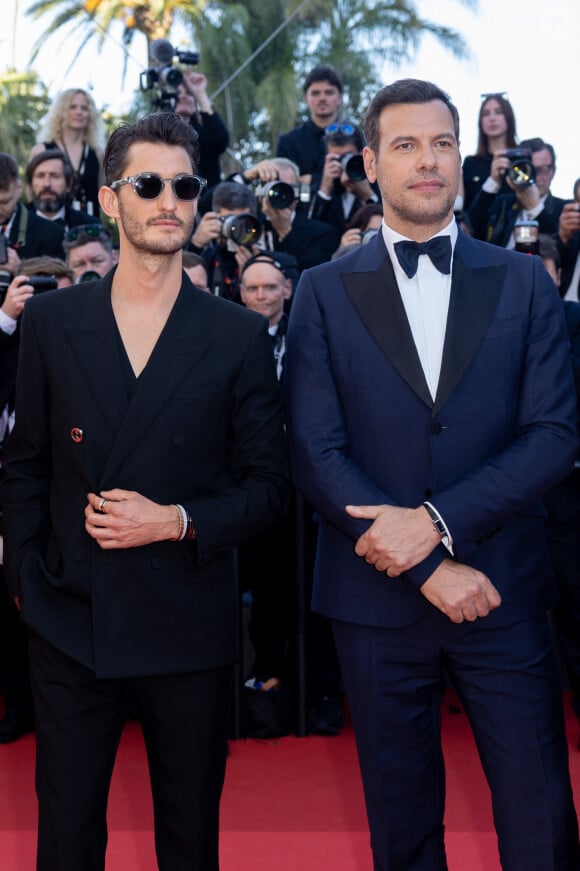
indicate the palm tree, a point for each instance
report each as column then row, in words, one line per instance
column 354, row 36
column 23, row 102
column 93, row 18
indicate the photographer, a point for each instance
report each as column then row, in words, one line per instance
column 195, row 107
column 492, row 214
column 288, row 228
column 226, row 245
column 14, row 677
column 344, row 187
column 22, row 233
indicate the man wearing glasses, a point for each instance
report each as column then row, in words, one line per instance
column 148, row 443
column 493, row 214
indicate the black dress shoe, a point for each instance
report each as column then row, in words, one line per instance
column 326, row 717
column 14, row 725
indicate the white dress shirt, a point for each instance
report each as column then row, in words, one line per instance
column 426, row 301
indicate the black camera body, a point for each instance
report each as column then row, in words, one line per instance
column 521, row 172
column 166, row 76
column 40, row 283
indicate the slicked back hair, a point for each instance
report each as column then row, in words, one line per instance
column 163, row 128
column 414, row 91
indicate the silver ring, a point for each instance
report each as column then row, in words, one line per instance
column 102, row 504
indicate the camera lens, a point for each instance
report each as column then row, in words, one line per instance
column 241, row 229
column 354, row 167
column 279, row 194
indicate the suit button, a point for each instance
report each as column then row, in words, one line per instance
column 428, row 493
column 436, row 428
column 177, row 440
column 156, row 563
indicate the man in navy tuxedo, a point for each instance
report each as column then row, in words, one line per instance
column 431, row 403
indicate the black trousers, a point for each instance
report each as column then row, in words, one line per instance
column 80, row 718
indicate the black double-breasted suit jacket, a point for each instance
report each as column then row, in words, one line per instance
column 201, row 427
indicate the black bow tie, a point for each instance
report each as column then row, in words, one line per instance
column 438, row 249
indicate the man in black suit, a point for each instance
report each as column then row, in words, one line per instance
column 148, row 443
column 26, row 235
column 305, row 144
column 49, row 179
column 492, row 215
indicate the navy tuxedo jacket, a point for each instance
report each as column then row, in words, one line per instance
column 203, row 427
column 363, row 428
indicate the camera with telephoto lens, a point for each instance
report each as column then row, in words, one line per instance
column 244, row 229
column 521, row 172
column 281, row 195
column 354, row 167
column 166, row 76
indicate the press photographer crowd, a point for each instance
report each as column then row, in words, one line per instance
column 255, row 233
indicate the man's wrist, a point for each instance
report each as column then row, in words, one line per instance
column 439, row 524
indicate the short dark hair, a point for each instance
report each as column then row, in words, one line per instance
column 404, row 91
column 8, row 170
column 323, row 73
column 536, row 143
column 232, row 195
column 49, row 154
column 166, row 128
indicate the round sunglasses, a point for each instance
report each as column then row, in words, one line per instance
column 148, row 185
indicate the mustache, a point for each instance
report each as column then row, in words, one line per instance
column 165, row 217
column 429, row 176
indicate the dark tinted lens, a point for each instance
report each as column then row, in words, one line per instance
column 187, row 187
column 92, row 230
column 148, row 186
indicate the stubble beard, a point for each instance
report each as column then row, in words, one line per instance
column 141, row 236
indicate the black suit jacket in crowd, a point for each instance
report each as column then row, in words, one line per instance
column 201, row 426
column 492, row 216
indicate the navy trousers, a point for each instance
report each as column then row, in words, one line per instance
column 507, row 681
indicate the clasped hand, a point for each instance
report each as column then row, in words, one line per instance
column 128, row 519
column 400, row 538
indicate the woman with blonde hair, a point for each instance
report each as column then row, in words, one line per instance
column 74, row 125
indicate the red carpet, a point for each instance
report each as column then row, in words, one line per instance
column 290, row 805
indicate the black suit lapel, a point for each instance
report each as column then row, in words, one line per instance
column 180, row 346
column 376, row 297
column 95, row 343
column 474, row 296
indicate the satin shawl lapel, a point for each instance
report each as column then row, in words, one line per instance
column 375, row 296
column 95, row 344
column 475, row 291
